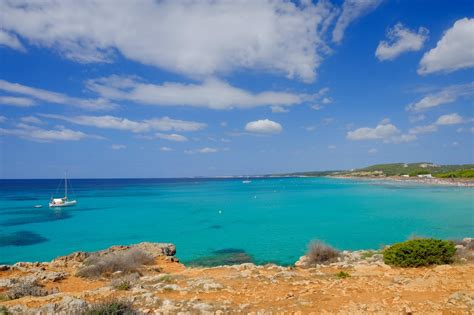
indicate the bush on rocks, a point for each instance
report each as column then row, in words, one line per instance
column 112, row 307
column 420, row 252
column 26, row 288
column 320, row 253
column 125, row 261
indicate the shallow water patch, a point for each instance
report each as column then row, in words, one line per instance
column 226, row 256
column 21, row 238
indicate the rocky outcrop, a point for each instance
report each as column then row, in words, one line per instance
column 367, row 285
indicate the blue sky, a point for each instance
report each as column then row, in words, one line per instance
column 209, row 88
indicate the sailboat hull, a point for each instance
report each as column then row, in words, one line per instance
column 64, row 204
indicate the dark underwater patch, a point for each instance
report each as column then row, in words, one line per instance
column 21, row 238
column 226, row 256
column 216, row 226
column 44, row 216
column 22, row 198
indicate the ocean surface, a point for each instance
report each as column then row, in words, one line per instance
column 267, row 220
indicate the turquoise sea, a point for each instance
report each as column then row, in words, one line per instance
column 270, row 219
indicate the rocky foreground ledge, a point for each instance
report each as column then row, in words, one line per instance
column 358, row 282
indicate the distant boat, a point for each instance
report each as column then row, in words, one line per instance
column 247, row 181
column 38, row 206
column 64, row 201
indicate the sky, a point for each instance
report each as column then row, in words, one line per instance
column 213, row 88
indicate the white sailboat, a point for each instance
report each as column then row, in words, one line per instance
column 62, row 202
column 247, row 181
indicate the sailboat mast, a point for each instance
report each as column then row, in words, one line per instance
column 65, row 185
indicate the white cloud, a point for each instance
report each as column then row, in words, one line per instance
column 171, row 137
column 326, row 100
column 423, row 129
column 212, row 93
column 166, row 149
column 279, row 109
column 3, row 119
column 198, row 38
column 372, row 151
column 43, row 135
column 387, row 132
column 416, row 118
column 331, row 147
column 16, row 101
column 317, row 107
column 264, row 126
column 118, row 146
column 446, row 95
column 351, row 11
column 400, row 40
column 454, row 51
column 310, row 128
column 205, row 150
column 450, row 119
column 52, row 97
column 31, row 120
column 119, row 123
column 10, row 40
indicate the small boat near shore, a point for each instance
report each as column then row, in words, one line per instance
column 64, row 201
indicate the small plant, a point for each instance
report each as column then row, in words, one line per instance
column 26, row 288
column 342, row 275
column 4, row 297
column 320, row 253
column 112, row 307
column 125, row 283
column 4, row 310
column 368, row 254
column 420, row 252
column 126, row 261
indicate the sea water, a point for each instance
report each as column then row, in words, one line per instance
column 269, row 219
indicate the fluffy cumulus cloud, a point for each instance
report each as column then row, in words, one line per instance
column 48, row 97
column 385, row 131
column 444, row 120
column 400, row 40
column 166, row 149
column 263, row 126
column 195, row 38
column 454, row 51
column 212, row 93
column 445, row 95
column 119, row 123
column 351, row 11
column 34, row 133
column 10, row 40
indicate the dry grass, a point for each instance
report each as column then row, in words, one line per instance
column 126, row 261
column 26, row 288
column 320, row 253
column 112, row 307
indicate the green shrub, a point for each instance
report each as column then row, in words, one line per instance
column 420, row 252
column 112, row 307
column 342, row 275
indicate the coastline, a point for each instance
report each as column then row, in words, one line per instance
column 358, row 282
column 458, row 182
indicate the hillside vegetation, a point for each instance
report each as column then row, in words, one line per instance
column 414, row 169
column 399, row 169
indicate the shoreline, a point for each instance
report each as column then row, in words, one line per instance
column 457, row 182
column 357, row 282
